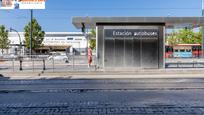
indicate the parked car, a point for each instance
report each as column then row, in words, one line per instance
column 8, row 56
column 59, row 57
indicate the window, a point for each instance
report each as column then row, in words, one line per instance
column 194, row 48
column 188, row 50
column 78, row 39
column 182, row 50
column 176, row 50
column 70, row 38
column 169, row 49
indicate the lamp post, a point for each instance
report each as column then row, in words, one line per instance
column 11, row 29
column 202, row 7
column 202, row 29
column 31, row 31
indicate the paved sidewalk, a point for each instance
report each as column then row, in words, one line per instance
column 151, row 73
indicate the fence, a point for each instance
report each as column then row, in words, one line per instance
column 39, row 63
column 47, row 63
column 184, row 63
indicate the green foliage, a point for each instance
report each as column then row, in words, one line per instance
column 92, row 41
column 172, row 39
column 37, row 36
column 198, row 36
column 4, row 41
column 184, row 36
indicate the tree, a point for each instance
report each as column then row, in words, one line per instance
column 37, row 36
column 92, row 41
column 184, row 36
column 198, row 36
column 172, row 38
column 4, row 41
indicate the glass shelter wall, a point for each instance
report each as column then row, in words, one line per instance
column 131, row 47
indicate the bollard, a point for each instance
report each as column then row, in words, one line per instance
column 43, row 64
column 95, row 67
column 194, row 62
column 33, row 64
column 13, row 64
column 73, row 61
column 21, row 65
column 178, row 62
column 53, row 64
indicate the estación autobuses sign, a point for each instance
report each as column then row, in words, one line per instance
column 22, row 4
column 129, row 33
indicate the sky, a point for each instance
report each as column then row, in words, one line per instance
column 57, row 17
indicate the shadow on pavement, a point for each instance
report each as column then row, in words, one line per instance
column 57, row 78
column 2, row 77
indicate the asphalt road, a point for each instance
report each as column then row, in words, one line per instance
column 102, row 97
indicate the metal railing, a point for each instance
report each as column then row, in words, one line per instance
column 184, row 63
column 39, row 63
column 45, row 63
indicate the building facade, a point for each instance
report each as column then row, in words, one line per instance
column 53, row 41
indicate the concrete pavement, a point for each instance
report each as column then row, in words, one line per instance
column 148, row 73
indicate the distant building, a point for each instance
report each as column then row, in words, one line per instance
column 6, row 3
column 53, row 41
column 15, row 43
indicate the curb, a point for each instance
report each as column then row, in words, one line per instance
column 164, row 73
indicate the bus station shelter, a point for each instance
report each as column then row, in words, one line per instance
column 132, row 43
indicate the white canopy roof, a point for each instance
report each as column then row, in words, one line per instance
column 91, row 22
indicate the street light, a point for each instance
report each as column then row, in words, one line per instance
column 202, row 7
column 11, row 29
column 202, row 29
